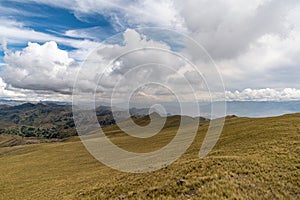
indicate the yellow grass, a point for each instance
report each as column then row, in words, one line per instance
column 254, row 159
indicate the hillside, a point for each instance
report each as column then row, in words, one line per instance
column 37, row 120
column 254, row 159
column 50, row 120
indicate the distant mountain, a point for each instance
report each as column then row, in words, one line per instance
column 262, row 108
column 11, row 102
column 18, row 102
column 55, row 120
column 240, row 108
column 51, row 120
column 255, row 108
column 37, row 120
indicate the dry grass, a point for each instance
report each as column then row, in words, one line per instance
column 254, row 159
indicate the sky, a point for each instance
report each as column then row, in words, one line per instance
column 254, row 45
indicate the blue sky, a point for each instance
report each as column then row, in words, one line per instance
column 53, row 20
column 255, row 45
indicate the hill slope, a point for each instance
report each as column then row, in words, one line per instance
column 50, row 120
column 254, row 159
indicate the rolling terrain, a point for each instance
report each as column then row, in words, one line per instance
column 254, row 159
column 50, row 120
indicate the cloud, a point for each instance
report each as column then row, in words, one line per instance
column 47, row 71
column 4, row 44
column 9, row 92
column 133, row 63
column 228, row 28
column 93, row 33
column 40, row 67
column 256, row 44
column 270, row 62
column 225, row 28
column 125, row 13
column 264, row 94
column 47, row 68
column 15, row 33
column 122, row 68
column 4, row 93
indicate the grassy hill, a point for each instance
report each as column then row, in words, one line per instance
column 50, row 120
column 37, row 120
column 254, row 159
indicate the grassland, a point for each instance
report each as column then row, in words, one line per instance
column 254, row 159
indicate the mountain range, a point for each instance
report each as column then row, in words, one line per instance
column 55, row 119
column 51, row 120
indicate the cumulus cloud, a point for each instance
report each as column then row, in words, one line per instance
column 227, row 28
column 16, row 32
column 270, row 62
column 46, row 68
column 9, row 92
column 256, row 44
column 135, row 62
column 40, row 67
column 4, row 93
column 264, row 94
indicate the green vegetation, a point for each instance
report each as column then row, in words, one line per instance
column 254, row 159
column 37, row 120
column 49, row 120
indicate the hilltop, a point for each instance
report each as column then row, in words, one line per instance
column 254, row 158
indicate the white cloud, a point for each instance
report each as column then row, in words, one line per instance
column 47, row 72
column 128, row 66
column 256, row 44
column 126, row 12
column 46, row 68
column 4, row 92
column 227, row 28
column 270, row 62
column 40, row 67
column 4, row 44
column 264, row 94
column 9, row 92
column 16, row 33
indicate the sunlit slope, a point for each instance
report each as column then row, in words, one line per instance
column 7, row 140
column 254, row 158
